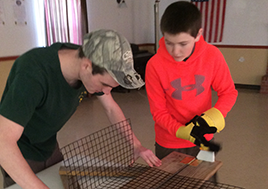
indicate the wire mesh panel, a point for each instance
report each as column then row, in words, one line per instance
column 117, row 180
column 183, row 182
column 155, row 178
column 105, row 152
column 103, row 160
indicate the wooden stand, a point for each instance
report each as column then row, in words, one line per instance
column 189, row 166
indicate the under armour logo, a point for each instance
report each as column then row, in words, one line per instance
column 176, row 84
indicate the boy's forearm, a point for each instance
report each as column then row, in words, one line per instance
column 18, row 169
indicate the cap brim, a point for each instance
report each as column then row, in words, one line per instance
column 128, row 80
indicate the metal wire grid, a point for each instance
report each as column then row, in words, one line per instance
column 155, row 178
column 184, row 182
column 109, row 151
column 122, row 180
column 101, row 160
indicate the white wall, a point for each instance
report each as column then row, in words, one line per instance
column 16, row 39
column 246, row 22
column 134, row 19
column 103, row 14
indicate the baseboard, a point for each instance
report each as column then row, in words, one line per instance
column 244, row 86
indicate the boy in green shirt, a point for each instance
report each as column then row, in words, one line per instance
column 43, row 90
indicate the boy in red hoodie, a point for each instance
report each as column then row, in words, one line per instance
column 179, row 82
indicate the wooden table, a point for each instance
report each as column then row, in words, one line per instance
column 175, row 164
column 49, row 176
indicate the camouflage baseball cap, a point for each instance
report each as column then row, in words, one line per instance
column 112, row 51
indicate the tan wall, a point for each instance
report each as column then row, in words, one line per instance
column 247, row 66
column 5, row 67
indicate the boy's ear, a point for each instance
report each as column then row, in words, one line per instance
column 199, row 34
column 86, row 64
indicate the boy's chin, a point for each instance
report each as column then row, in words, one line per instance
column 178, row 59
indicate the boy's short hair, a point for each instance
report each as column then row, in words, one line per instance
column 95, row 68
column 181, row 16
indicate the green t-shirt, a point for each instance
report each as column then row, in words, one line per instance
column 38, row 97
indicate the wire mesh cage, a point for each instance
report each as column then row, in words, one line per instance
column 102, row 154
column 104, row 159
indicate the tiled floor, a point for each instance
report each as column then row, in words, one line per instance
column 244, row 139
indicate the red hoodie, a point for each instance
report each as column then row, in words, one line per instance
column 177, row 91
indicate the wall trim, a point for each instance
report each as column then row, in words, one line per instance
column 242, row 46
column 244, row 86
column 5, row 58
column 8, row 58
column 222, row 46
column 146, row 44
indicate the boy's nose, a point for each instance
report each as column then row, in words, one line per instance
column 106, row 90
column 176, row 50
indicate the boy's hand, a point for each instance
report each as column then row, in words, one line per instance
column 199, row 130
column 147, row 155
column 195, row 130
